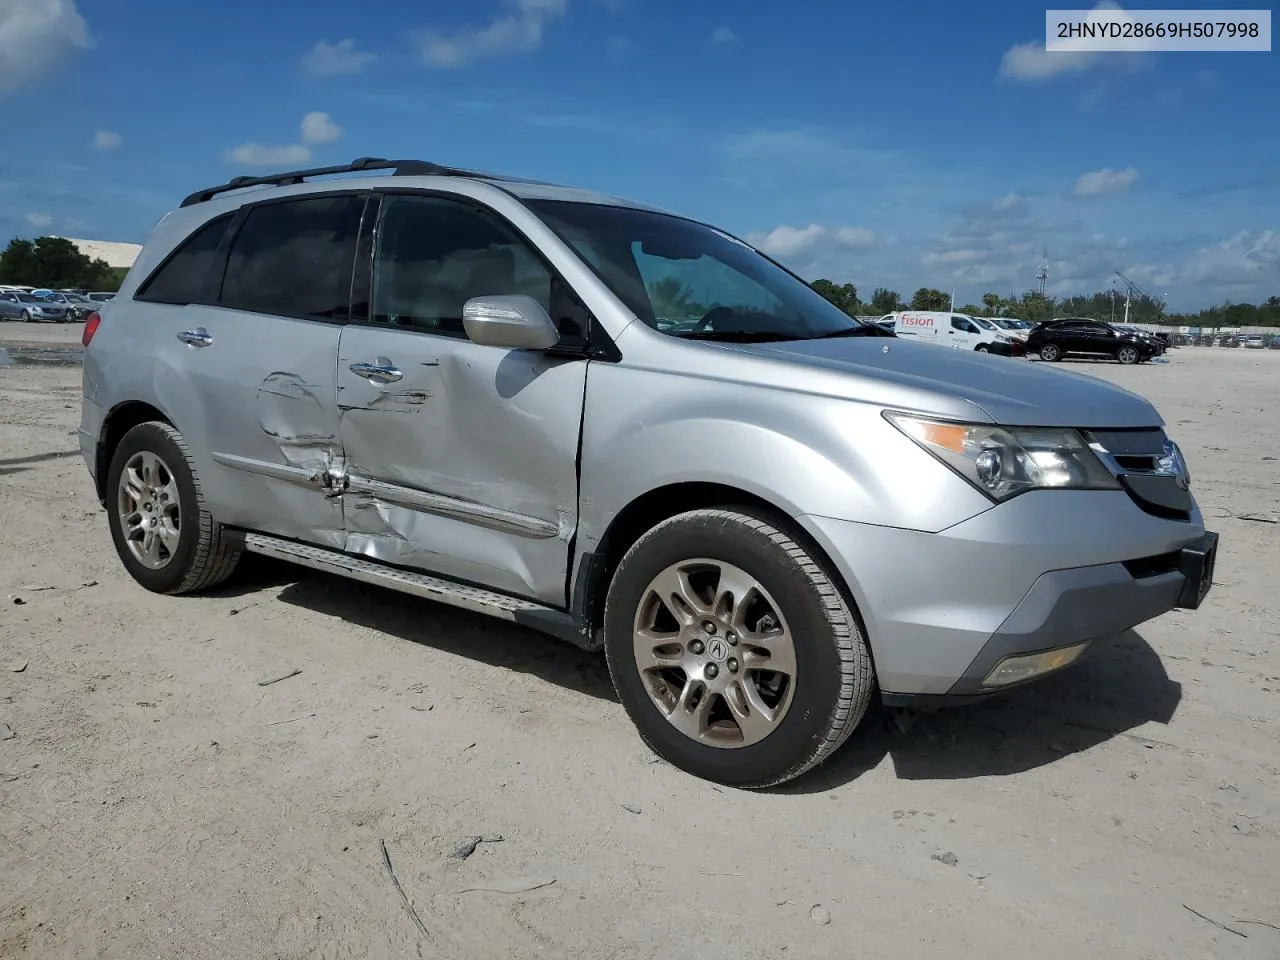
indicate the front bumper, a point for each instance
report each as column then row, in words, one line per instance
column 943, row 610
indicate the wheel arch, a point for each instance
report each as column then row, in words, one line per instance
column 594, row 571
column 119, row 420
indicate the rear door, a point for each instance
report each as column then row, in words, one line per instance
column 461, row 459
column 252, row 358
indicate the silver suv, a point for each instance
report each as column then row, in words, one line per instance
column 632, row 431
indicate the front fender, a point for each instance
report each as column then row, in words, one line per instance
column 804, row 453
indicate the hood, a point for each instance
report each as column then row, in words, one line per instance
column 1009, row 391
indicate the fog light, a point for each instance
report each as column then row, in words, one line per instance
column 1014, row 669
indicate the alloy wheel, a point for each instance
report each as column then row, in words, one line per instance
column 715, row 653
column 150, row 510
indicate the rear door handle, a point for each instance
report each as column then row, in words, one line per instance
column 384, row 371
column 199, row 337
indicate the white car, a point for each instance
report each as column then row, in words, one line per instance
column 1018, row 329
column 956, row 330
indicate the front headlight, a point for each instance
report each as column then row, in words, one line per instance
column 1005, row 461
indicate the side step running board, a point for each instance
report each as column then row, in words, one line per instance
column 476, row 599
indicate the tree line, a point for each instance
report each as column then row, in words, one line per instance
column 1105, row 305
column 56, row 264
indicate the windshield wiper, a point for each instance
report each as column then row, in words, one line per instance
column 738, row 336
column 865, row 330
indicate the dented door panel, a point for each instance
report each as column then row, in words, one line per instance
column 261, row 399
column 466, row 463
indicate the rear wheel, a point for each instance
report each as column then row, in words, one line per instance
column 733, row 651
column 163, row 531
column 1050, row 352
column 1127, row 355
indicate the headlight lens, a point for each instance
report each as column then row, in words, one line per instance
column 1005, row 461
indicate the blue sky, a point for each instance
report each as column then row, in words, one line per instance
column 900, row 145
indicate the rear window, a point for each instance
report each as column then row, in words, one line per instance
column 180, row 279
column 293, row 258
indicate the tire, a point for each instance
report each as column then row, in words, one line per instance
column 981, row 348
column 1050, row 353
column 1128, row 355
column 199, row 555
column 831, row 674
column 25, row 316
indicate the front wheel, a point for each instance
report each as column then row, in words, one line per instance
column 732, row 649
column 1127, row 355
column 982, row 348
column 163, row 531
column 1050, row 352
column 25, row 316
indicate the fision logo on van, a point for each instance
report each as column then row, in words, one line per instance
column 907, row 320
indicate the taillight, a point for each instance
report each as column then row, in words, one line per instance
column 90, row 328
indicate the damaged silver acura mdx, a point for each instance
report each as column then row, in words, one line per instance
column 632, row 431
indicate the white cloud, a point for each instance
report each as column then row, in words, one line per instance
column 318, row 128
column 721, row 36
column 34, row 36
column 1250, row 259
column 39, row 220
column 786, row 241
column 517, row 32
column 952, row 257
column 1010, row 203
column 257, row 155
column 1104, row 182
column 326, row 59
column 1031, row 61
column 107, row 140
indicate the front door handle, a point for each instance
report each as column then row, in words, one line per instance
column 199, row 337
column 384, row 371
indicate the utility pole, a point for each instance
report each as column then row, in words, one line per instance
column 1132, row 289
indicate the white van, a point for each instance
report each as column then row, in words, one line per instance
column 956, row 330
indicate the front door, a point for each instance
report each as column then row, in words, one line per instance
column 253, row 387
column 460, row 459
column 964, row 334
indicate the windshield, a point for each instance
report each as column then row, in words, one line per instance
column 28, row 298
column 690, row 280
column 983, row 322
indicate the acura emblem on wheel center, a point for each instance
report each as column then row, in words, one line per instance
column 718, row 650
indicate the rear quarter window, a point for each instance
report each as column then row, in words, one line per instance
column 180, row 278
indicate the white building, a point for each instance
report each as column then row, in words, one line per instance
column 115, row 254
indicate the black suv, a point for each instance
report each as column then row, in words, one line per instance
column 1081, row 336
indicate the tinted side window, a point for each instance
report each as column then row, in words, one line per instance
column 433, row 255
column 960, row 323
column 293, row 258
column 181, row 277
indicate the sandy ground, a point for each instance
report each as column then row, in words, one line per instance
column 156, row 801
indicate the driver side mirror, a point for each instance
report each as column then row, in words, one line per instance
column 517, row 322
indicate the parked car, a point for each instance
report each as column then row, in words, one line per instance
column 78, row 307
column 28, row 307
column 452, row 384
column 1085, row 337
column 959, row 331
column 1254, row 343
column 1013, row 327
column 1158, row 345
column 1274, row 343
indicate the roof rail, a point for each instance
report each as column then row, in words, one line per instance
column 400, row 168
